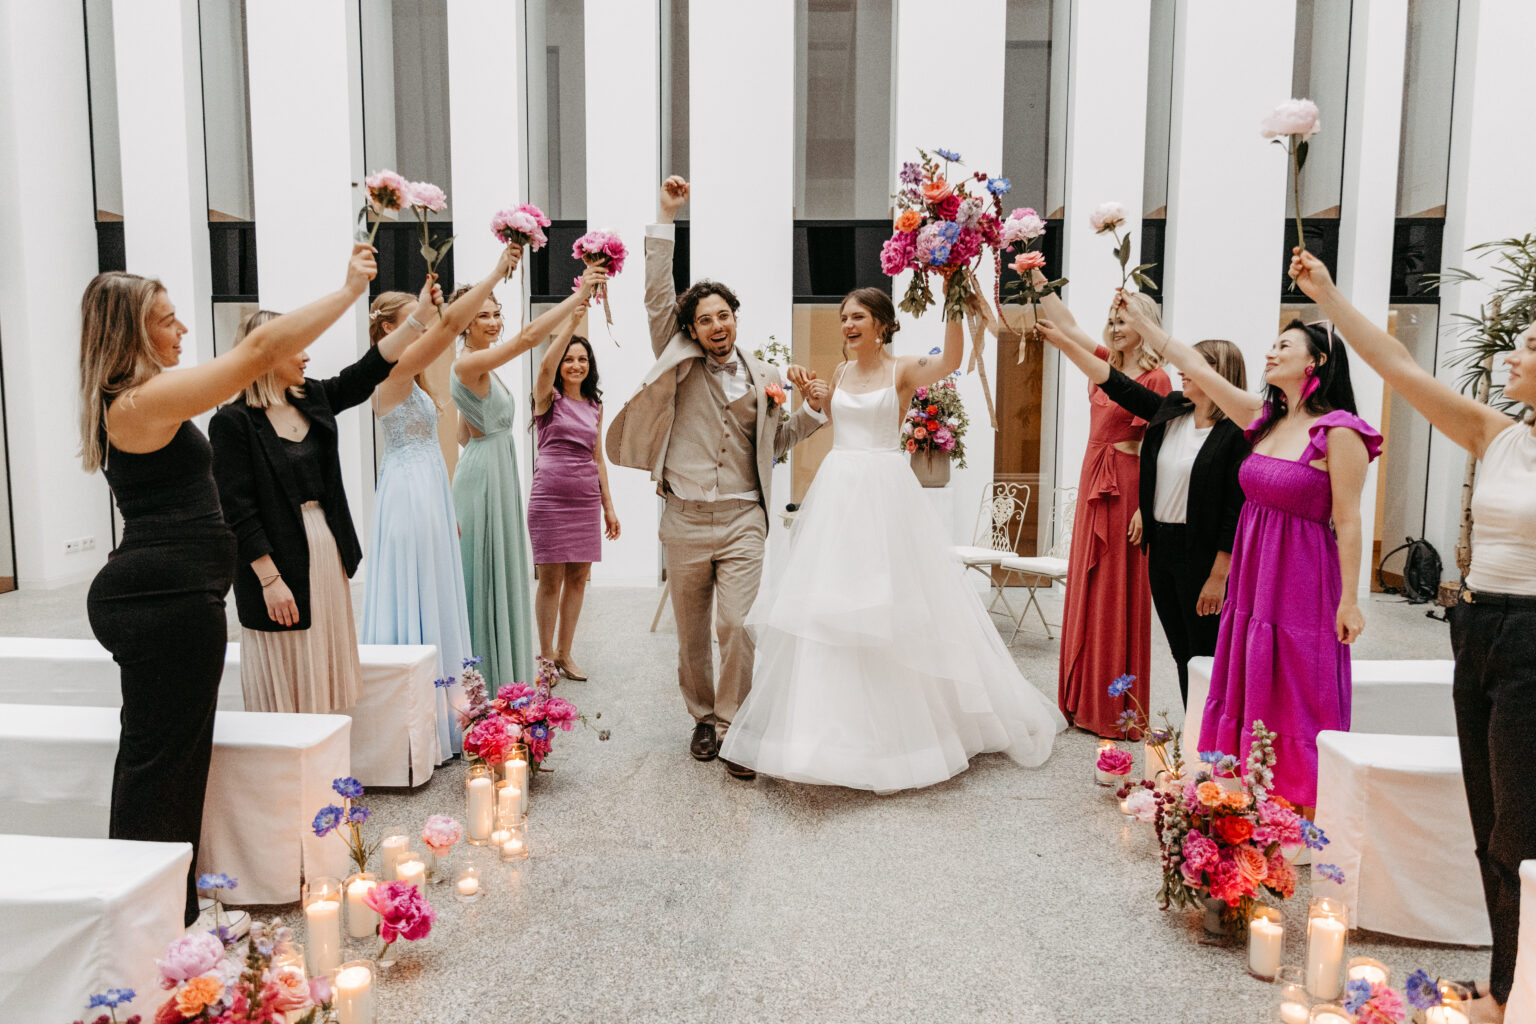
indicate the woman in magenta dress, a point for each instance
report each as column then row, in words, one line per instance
column 569, row 506
column 1292, row 607
column 1107, row 625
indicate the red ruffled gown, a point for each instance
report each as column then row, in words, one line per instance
column 1107, row 628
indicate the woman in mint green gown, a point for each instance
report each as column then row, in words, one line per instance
column 488, row 492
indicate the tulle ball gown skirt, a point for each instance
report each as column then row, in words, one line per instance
column 877, row 666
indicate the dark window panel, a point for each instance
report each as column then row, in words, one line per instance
column 111, row 249
column 232, row 260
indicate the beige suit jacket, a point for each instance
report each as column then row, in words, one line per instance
column 639, row 434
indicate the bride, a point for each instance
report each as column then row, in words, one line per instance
column 877, row 666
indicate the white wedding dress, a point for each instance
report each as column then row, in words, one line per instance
column 877, row 666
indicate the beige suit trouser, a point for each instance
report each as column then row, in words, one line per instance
column 714, row 557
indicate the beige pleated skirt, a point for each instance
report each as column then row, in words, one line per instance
column 314, row 670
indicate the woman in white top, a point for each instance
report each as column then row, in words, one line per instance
column 1493, row 625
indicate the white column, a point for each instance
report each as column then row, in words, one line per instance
column 1488, row 197
column 1107, row 59
column 47, row 256
column 1226, row 185
column 306, row 151
column 165, row 178
column 1378, row 38
column 972, row 125
column 622, row 44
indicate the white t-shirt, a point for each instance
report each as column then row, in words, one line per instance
column 1181, row 443
column 1504, row 515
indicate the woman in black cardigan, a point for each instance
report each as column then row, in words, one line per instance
column 278, row 468
column 1189, row 495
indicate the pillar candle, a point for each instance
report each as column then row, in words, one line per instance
column 1330, row 1018
column 509, row 802
column 481, row 808
column 389, row 854
column 1266, row 939
column 362, row 920
column 324, row 917
column 1444, row 1015
column 354, row 995
column 412, row 871
column 1325, row 956
column 517, row 774
column 1294, row 1013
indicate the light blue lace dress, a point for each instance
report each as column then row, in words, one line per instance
column 415, row 585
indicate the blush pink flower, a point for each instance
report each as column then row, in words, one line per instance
column 441, row 832
column 404, row 913
column 1293, row 117
column 387, row 191
column 427, row 196
column 1106, row 217
column 1277, row 824
column 1022, row 225
column 291, row 989
column 188, row 957
column 1114, row 761
column 1027, row 262
column 1142, row 805
column 521, row 225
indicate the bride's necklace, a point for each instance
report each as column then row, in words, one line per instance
column 861, row 384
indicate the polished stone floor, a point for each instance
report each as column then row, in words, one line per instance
column 660, row 889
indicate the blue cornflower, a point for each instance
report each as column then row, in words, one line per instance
column 949, row 154
column 940, row 255
column 443, row 684
column 1227, row 765
column 1357, row 994
column 1421, row 990
column 219, row 881
column 999, row 186
column 225, row 934
column 911, row 173
column 935, row 351
column 1121, row 685
column 348, row 787
column 112, row 998
column 1312, row 835
column 1211, row 756
column 1332, row 872
column 471, row 661
column 949, row 231
column 358, row 815
column 521, row 702
column 326, row 821
column 539, row 731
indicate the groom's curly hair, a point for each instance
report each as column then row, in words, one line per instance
column 688, row 302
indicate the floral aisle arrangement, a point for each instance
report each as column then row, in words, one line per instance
column 601, row 249
column 404, row 913
column 1164, row 742
column 1229, row 844
column 532, row 713
column 350, row 815
column 936, row 422
column 207, row 987
column 1291, row 126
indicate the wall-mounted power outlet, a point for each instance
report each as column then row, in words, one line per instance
column 79, row 544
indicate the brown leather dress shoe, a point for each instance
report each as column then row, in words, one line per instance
column 739, row 771
column 705, row 744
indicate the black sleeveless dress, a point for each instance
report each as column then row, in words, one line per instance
column 158, row 606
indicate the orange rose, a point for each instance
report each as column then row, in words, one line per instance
column 908, row 221
column 775, row 392
column 1209, row 793
column 1236, row 799
column 198, row 993
column 938, row 189
column 1251, row 864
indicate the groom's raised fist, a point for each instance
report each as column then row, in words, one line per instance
column 674, row 192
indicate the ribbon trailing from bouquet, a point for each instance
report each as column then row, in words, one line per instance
column 978, row 317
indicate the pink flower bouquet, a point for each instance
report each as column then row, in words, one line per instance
column 252, row 990
column 385, row 195
column 518, row 710
column 521, row 225
column 601, row 249
column 940, row 230
column 491, row 739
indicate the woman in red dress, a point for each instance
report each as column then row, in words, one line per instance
column 1107, row 628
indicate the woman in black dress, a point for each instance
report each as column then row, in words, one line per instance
column 158, row 604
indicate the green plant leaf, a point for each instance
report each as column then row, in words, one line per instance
column 1144, row 282
column 1123, row 253
column 1301, row 154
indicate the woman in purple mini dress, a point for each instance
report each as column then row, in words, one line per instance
column 569, row 507
column 1291, row 610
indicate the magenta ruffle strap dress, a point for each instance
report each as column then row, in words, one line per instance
column 1278, row 657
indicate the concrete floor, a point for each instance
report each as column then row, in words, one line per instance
column 660, row 889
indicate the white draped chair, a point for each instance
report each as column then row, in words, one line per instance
column 1522, row 998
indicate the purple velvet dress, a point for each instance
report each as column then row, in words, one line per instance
column 1278, row 657
column 565, row 504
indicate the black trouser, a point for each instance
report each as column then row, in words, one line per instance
column 159, row 608
column 1495, row 693
column 1176, row 587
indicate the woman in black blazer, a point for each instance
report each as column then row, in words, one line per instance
column 278, row 468
column 1189, row 496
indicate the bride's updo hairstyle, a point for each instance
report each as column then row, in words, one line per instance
column 881, row 308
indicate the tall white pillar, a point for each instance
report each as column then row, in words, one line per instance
column 165, row 178
column 1488, row 197
column 1107, row 56
column 929, row 117
column 622, row 44
column 1372, row 129
column 1226, row 185
column 47, row 256
column 306, row 152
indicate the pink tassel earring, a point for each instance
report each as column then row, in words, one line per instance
column 1311, row 384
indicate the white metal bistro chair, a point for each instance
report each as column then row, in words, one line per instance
column 999, row 520
column 1049, row 568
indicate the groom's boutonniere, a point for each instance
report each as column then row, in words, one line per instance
column 775, row 391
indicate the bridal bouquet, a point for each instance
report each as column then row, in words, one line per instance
column 1231, row 843
column 940, row 231
column 936, row 422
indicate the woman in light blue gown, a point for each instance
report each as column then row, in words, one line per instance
column 415, row 581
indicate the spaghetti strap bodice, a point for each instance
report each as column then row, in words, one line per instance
column 869, row 421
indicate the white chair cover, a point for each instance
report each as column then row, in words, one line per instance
column 1521, row 1008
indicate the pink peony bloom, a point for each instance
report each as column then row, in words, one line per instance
column 1106, row 217
column 386, row 190
column 1200, row 852
column 1192, row 874
column 603, row 245
column 921, row 394
column 1293, row 117
column 1026, row 262
column 440, row 832
column 427, row 196
column 1277, row 824
column 944, row 437
column 1227, row 881
column 514, row 691
column 189, row 957
column 491, row 739
column 1114, row 761
column 1142, row 805
column 521, row 225
column 965, row 248
column 897, row 253
column 1384, row 1007
column 1022, row 225
column 561, row 712
column 405, row 913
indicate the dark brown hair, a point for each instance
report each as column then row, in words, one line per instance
column 881, row 308
column 688, row 302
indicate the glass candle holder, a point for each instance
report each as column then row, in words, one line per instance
column 1327, row 928
column 352, row 993
column 1295, row 1003
column 510, row 803
column 390, row 850
column 1363, row 968
column 1452, row 1008
column 439, row 864
column 515, row 846
column 362, row 920
column 1103, row 778
column 467, row 886
column 518, row 765
column 479, row 804
column 1331, row 1013
column 411, row 868
column 1266, row 942
column 322, row 899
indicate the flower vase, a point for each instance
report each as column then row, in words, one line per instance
column 1213, row 922
column 932, row 468
column 439, row 865
column 387, row 955
column 1154, row 763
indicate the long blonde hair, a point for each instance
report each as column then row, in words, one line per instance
column 115, row 351
column 382, row 312
column 1146, row 359
column 264, row 391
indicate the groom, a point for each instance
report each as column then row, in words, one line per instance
column 707, row 425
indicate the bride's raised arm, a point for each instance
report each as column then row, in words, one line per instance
column 1242, row 407
column 915, row 371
